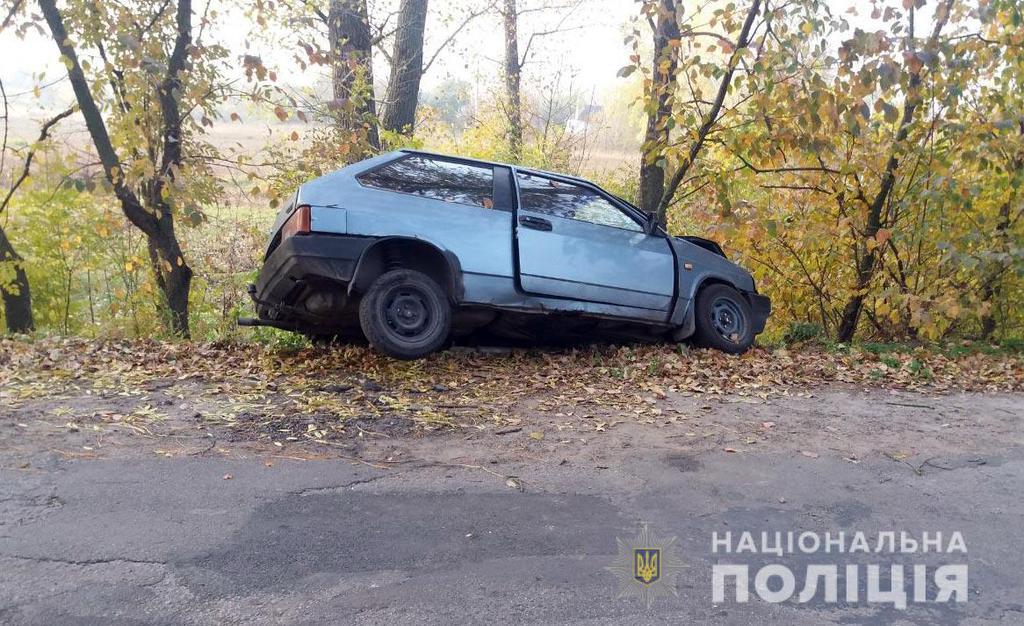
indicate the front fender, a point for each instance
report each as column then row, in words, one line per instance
column 697, row 266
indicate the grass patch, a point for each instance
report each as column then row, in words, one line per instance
column 800, row 332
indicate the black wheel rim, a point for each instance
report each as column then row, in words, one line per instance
column 407, row 312
column 728, row 319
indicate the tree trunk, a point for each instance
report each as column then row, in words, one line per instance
column 173, row 276
column 851, row 312
column 156, row 220
column 403, row 90
column 513, row 70
column 17, row 296
column 652, row 174
column 867, row 263
column 352, row 73
column 993, row 286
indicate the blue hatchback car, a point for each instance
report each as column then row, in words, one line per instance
column 411, row 247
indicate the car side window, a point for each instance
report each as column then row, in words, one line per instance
column 575, row 202
column 435, row 178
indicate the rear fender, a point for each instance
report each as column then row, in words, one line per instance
column 411, row 253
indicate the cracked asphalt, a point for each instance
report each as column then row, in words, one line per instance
column 446, row 538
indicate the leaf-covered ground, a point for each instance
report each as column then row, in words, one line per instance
column 327, row 395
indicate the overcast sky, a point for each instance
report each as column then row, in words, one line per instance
column 590, row 47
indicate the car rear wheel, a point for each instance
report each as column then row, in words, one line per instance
column 405, row 314
column 723, row 319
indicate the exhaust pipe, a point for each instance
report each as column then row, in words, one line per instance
column 251, row 321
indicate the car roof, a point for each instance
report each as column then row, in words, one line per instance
column 520, row 168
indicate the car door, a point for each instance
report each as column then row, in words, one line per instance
column 573, row 241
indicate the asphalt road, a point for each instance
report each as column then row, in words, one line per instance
column 160, row 541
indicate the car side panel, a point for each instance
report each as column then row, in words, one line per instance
column 584, row 261
column 501, row 294
column 480, row 238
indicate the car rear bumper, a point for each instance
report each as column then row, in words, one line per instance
column 288, row 267
column 760, row 308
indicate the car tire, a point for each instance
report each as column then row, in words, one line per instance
column 405, row 314
column 723, row 320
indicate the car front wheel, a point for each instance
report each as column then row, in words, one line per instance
column 405, row 314
column 723, row 319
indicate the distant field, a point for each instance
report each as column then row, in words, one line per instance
column 245, row 136
column 250, row 138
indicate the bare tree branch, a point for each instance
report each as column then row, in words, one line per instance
column 771, row 170
column 710, row 119
column 10, row 14
column 455, row 33
column 3, row 146
column 44, row 133
column 557, row 29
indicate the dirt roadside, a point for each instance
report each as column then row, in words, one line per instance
column 836, row 420
column 79, row 400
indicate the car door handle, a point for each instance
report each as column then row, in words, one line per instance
column 536, row 223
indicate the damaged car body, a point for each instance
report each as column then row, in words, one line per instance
column 410, row 248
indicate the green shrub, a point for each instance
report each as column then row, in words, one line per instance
column 1013, row 344
column 800, row 332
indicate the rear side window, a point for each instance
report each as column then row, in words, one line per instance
column 435, row 178
column 569, row 201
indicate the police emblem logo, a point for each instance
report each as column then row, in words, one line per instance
column 646, row 566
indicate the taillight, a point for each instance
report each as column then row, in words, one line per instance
column 297, row 223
